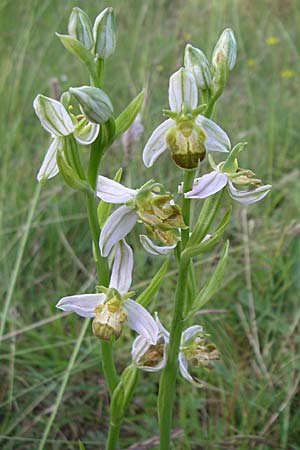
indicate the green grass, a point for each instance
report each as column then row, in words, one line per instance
column 256, row 400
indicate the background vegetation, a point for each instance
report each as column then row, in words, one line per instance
column 252, row 399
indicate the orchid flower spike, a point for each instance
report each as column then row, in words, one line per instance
column 150, row 204
column 187, row 134
column 60, row 123
column 227, row 173
column 194, row 351
column 114, row 307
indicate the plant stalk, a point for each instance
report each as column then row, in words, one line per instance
column 168, row 377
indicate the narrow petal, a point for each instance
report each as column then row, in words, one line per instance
column 156, row 143
column 189, row 333
column 141, row 321
column 117, row 226
column 153, row 249
column 53, row 116
column 207, row 185
column 121, row 275
column 182, row 89
column 84, row 305
column 162, row 330
column 87, row 134
column 248, row 197
column 49, row 167
column 113, row 192
column 216, row 138
column 183, row 367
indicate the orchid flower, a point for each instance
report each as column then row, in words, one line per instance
column 227, row 173
column 114, row 307
column 194, row 350
column 60, row 123
column 187, row 134
column 149, row 204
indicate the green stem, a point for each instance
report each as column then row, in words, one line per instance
column 168, row 377
column 113, row 435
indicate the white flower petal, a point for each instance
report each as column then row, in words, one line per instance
column 84, row 305
column 182, row 89
column 163, row 332
column 117, row 226
column 153, row 249
column 156, row 143
column 183, row 367
column 87, row 134
column 113, row 192
column 216, row 138
column 248, row 197
column 141, row 321
column 189, row 333
column 207, row 185
column 121, row 275
column 53, row 116
column 49, row 167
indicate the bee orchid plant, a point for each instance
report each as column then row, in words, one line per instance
column 84, row 117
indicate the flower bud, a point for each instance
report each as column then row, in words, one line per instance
column 104, row 31
column 196, row 62
column 225, row 50
column 95, row 104
column 80, row 28
column 186, row 142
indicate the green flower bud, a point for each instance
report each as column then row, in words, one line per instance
column 104, row 31
column 80, row 28
column 225, row 50
column 95, row 104
column 196, row 62
column 186, row 142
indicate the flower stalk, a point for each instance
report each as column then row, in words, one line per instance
column 84, row 117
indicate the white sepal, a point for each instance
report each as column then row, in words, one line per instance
column 87, row 134
column 207, row 185
column 248, row 197
column 216, row 138
column 153, row 249
column 141, row 321
column 189, row 333
column 182, row 89
column 84, row 305
column 113, row 192
column 49, row 167
column 121, row 275
column 117, row 226
column 183, row 367
column 162, row 331
column 53, row 116
column 156, row 143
